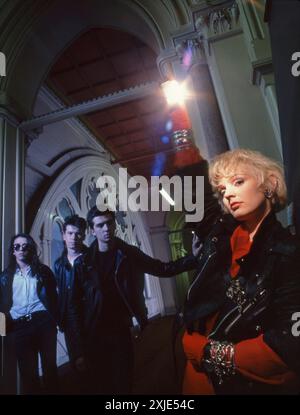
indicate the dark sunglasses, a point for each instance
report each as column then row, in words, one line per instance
column 17, row 247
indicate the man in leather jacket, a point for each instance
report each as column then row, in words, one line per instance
column 111, row 281
column 28, row 299
column 73, row 234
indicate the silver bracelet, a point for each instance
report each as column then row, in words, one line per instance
column 220, row 360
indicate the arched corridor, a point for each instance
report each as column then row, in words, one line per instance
column 82, row 98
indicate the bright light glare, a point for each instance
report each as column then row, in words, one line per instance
column 175, row 93
column 167, row 197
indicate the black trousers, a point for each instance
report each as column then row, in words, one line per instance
column 110, row 360
column 34, row 337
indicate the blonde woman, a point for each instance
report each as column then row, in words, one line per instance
column 239, row 309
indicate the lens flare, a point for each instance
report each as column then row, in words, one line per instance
column 175, row 93
column 165, row 139
column 169, row 125
column 187, row 58
column 159, row 164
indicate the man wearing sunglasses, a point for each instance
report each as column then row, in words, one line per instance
column 28, row 299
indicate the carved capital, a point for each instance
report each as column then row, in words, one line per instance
column 218, row 20
column 190, row 51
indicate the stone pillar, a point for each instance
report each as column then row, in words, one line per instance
column 258, row 44
column 12, row 181
column 192, row 55
column 187, row 63
column 12, row 218
column 237, row 49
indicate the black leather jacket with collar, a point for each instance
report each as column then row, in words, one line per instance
column 64, row 274
column 269, row 290
column 131, row 265
column 128, row 280
column 46, row 291
column 70, row 314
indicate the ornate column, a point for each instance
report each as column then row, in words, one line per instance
column 187, row 62
column 258, row 43
column 12, row 217
column 193, row 57
column 237, row 49
column 215, row 22
column 12, row 152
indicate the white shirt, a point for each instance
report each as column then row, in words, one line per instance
column 25, row 298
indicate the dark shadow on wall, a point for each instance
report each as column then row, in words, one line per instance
column 283, row 17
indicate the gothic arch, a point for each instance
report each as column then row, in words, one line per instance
column 146, row 20
column 129, row 225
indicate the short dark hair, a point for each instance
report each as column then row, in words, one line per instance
column 94, row 212
column 75, row 220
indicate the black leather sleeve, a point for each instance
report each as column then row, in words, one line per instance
column 73, row 325
column 212, row 211
column 51, row 291
column 158, row 268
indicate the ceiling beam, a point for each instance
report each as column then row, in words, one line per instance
column 92, row 105
column 143, row 156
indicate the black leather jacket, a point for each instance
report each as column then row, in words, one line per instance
column 264, row 302
column 70, row 320
column 64, row 274
column 131, row 265
column 46, row 291
column 266, row 290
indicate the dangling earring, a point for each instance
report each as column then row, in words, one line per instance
column 268, row 193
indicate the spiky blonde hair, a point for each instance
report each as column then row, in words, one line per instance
column 266, row 171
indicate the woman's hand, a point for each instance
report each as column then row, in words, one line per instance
column 196, row 245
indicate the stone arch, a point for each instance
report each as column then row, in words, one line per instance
column 152, row 24
column 134, row 232
column 48, row 217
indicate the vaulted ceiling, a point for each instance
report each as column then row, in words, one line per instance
column 105, row 60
